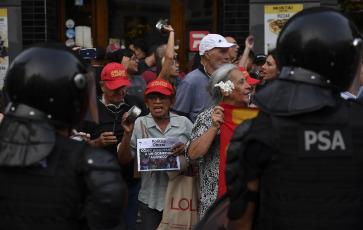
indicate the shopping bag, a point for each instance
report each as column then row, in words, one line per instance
column 183, row 165
column 181, row 202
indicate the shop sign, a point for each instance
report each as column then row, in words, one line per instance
column 194, row 39
column 276, row 17
column 4, row 45
column 70, row 33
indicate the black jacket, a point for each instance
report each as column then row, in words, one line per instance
column 110, row 121
column 73, row 187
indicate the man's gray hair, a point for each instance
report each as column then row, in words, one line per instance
column 223, row 73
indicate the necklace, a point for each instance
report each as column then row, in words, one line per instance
column 205, row 70
column 116, row 107
column 114, row 112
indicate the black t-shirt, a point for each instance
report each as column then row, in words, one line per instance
column 110, row 121
column 142, row 66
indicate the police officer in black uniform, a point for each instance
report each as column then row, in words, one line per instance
column 47, row 180
column 299, row 164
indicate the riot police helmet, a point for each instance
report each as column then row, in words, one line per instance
column 323, row 45
column 54, row 80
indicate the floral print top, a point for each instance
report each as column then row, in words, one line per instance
column 208, row 164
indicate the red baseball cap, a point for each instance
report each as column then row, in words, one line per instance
column 249, row 79
column 160, row 86
column 115, row 75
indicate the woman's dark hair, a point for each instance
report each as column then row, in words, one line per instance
column 273, row 53
column 140, row 43
column 117, row 55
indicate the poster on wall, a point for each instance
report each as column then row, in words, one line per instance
column 275, row 18
column 4, row 57
column 83, row 36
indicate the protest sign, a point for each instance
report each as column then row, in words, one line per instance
column 154, row 154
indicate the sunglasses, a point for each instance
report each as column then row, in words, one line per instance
column 155, row 96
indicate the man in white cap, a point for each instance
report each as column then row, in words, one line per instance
column 192, row 97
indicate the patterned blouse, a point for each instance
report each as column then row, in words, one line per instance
column 208, row 164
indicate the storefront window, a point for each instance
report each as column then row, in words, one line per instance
column 136, row 19
column 81, row 14
column 78, row 22
column 199, row 17
column 125, row 20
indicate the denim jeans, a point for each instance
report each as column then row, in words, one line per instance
column 130, row 214
column 150, row 218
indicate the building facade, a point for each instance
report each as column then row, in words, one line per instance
column 34, row 21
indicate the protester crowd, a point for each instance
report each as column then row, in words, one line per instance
column 201, row 108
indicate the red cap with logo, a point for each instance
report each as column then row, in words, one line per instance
column 115, row 75
column 249, row 79
column 159, row 86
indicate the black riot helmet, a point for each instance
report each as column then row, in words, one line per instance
column 53, row 80
column 319, row 46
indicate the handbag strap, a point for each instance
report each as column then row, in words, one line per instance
column 190, row 171
column 193, row 168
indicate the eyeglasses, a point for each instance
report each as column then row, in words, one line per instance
column 155, row 96
column 175, row 62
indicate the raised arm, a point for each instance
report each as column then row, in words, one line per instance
column 124, row 148
column 249, row 42
column 169, row 55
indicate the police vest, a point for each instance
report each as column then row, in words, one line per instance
column 314, row 177
column 47, row 196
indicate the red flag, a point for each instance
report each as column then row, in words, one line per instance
column 233, row 116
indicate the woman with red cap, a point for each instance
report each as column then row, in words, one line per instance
column 159, row 97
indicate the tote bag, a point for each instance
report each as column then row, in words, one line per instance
column 181, row 202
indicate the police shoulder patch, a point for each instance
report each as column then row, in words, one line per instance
column 325, row 141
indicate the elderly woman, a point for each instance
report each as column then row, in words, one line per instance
column 159, row 123
column 204, row 144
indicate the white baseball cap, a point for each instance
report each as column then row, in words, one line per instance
column 212, row 41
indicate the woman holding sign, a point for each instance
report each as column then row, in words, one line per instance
column 230, row 89
column 159, row 96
